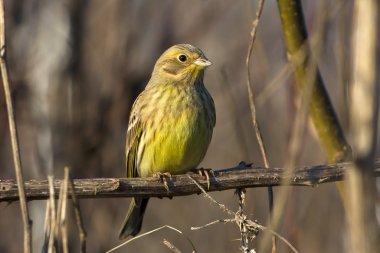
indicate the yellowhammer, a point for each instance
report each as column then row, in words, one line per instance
column 170, row 125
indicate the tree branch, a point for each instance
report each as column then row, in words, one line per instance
column 242, row 176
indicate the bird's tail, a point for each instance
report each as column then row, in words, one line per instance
column 133, row 221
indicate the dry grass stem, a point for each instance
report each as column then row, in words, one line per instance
column 55, row 220
column 47, row 228
column 78, row 215
column 13, row 134
column 153, row 231
column 170, row 246
column 63, row 209
column 59, row 209
column 51, row 245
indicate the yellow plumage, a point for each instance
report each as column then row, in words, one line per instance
column 171, row 123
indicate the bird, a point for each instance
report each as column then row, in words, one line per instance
column 170, row 125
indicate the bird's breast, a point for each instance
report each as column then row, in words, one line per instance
column 176, row 135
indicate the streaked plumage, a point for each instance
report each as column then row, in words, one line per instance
column 170, row 125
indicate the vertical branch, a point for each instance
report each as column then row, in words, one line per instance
column 321, row 110
column 13, row 133
column 363, row 227
column 252, row 106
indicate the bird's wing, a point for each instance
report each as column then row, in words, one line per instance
column 134, row 133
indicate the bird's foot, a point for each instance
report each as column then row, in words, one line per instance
column 206, row 173
column 163, row 178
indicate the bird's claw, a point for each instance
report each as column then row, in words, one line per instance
column 205, row 172
column 163, row 178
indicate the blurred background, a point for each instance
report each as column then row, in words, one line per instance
column 76, row 68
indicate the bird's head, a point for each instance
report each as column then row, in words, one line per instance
column 181, row 63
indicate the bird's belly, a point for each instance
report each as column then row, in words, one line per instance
column 177, row 147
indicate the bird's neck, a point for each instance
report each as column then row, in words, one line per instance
column 187, row 80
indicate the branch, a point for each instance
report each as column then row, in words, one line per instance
column 242, row 176
column 321, row 110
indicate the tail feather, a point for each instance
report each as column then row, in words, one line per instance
column 133, row 221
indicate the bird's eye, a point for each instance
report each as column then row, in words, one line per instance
column 182, row 58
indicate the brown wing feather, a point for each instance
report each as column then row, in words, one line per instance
column 134, row 133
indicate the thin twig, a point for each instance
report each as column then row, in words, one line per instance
column 213, row 223
column 78, row 216
column 13, row 133
column 252, row 106
column 153, row 231
column 170, row 246
column 252, row 226
column 208, row 196
column 244, row 237
column 249, row 85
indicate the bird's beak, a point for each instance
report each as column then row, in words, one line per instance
column 202, row 62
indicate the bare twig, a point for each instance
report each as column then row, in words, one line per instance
column 78, row 215
column 244, row 236
column 180, row 185
column 249, row 85
column 213, row 223
column 13, row 133
column 251, row 227
column 153, row 231
column 252, row 106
